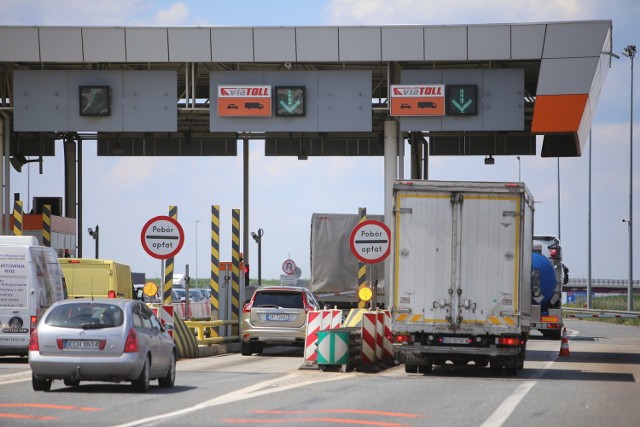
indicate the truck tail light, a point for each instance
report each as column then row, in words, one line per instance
column 402, row 338
column 510, row 341
column 111, row 294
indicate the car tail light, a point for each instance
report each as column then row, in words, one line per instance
column 131, row 345
column 34, row 345
column 307, row 307
column 111, row 294
column 34, row 322
column 247, row 307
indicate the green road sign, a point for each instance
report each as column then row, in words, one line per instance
column 290, row 101
column 462, row 100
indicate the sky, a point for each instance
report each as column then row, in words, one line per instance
column 122, row 193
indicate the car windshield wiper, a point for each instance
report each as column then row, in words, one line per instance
column 93, row 326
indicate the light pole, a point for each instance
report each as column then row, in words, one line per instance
column 559, row 238
column 258, row 240
column 630, row 52
column 96, row 236
column 196, row 240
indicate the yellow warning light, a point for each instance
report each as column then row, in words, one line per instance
column 150, row 289
column 365, row 294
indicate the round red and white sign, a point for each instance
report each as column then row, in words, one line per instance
column 162, row 237
column 289, row 267
column 371, row 241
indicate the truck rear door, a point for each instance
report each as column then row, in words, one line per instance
column 456, row 258
column 487, row 288
column 424, row 270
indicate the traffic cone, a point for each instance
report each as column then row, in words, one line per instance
column 564, row 347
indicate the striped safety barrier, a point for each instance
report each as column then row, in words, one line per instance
column 369, row 321
column 387, row 338
column 317, row 321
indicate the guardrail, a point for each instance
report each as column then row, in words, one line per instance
column 204, row 331
column 598, row 313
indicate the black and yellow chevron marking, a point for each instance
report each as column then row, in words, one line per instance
column 235, row 270
column 46, row 225
column 362, row 267
column 168, row 266
column 215, row 264
column 17, row 218
column 184, row 339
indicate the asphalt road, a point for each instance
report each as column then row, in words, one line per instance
column 596, row 385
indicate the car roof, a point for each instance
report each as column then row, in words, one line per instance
column 282, row 288
column 113, row 301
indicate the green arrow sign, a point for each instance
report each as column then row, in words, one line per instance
column 462, row 100
column 290, row 101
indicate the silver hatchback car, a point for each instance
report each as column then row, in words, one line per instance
column 275, row 315
column 102, row 339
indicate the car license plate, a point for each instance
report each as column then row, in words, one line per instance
column 455, row 340
column 278, row 317
column 82, row 344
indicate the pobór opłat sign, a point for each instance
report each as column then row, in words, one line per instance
column 162, row 237
column 370, row 241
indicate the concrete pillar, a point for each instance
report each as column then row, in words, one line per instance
column 390, row 174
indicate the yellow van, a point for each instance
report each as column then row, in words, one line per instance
column 99, row 278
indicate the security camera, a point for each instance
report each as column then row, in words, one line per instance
column 288, row 66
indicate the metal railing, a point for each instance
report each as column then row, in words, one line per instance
column 205, row 335
column 571, row 312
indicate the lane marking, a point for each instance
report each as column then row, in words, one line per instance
column 287, row 382
column 282, row 421
column 341, row 411
column 15, row 377
column 506, row 408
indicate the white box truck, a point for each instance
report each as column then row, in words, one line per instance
column 461, row 263
column 30, row 281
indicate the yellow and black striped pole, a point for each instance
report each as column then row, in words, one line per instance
column 46, row 225
column 168, row 265
column 17, row 218
column 215, row 265
column 362, row 267
column 235, row 269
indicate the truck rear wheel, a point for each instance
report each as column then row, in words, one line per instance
column 426, row 368
column 411, row 369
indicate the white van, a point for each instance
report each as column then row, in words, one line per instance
column 30, row 281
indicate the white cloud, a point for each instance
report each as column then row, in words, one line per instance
column 433, row 12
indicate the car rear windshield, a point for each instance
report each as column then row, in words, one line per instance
column 278, row 299
column 87, row 315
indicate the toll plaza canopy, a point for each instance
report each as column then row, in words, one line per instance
column 306, row 91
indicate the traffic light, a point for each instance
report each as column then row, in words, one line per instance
column 246, row 274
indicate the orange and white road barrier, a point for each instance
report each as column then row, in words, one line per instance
column 564, row 347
